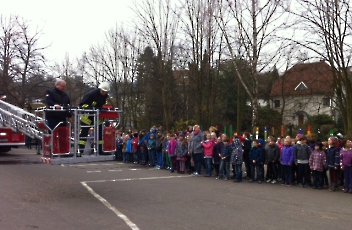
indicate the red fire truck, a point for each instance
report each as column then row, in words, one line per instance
column 8, row 138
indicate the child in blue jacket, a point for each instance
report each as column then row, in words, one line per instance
column 256, row 159
column 287, row 161
column 128, row 149
column 225, row 158
column 151, row 150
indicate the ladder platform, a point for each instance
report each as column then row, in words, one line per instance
column 60, row 144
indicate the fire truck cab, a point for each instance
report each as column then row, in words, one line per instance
column 10, row 139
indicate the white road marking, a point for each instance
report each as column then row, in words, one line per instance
column 133, row 179
column 93, row 171
column 112, row 208
column 134, row 169
column 132, row 225
column 115, row 170
column 93, row 165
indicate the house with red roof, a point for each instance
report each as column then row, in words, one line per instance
column 303, row 91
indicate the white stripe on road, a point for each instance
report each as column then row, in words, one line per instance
column 115, row 170
column 93, row 165
column 133, row 179
column 93, row 171
column 112, row 208
column 84, row 165
column 134, row 169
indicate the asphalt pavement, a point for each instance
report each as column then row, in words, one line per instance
column 113, row 195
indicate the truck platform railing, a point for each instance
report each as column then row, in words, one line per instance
column 61, row 144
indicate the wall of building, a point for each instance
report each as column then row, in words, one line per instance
column 304, row 106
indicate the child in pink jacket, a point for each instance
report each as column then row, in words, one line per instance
column 172, row 151
column 208, row 146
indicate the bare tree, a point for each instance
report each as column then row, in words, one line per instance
column 94, row 70
column 122, row 53
column 328, row 33
column 22, row 59
column 204, row 52
column 115, row 61
column 158, row 25
column 250, row 29
column 71, row 71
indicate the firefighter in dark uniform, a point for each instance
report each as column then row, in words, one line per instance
column 57, row 98
column 94, row 99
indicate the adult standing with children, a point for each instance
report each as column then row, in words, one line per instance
column 196, row 150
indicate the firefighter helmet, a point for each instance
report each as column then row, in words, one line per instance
column 105, row 86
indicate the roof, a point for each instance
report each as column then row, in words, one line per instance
column 304, row 79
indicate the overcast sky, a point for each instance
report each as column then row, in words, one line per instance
column 70, row 26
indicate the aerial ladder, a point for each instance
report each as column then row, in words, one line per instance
column 60, row 145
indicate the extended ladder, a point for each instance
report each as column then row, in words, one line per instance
column 20, row 120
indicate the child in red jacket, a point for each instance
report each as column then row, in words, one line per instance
column 135, row 148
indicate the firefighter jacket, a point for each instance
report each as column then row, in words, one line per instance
column 93, row 99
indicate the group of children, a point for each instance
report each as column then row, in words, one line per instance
column 154, row 149
column 301, row 162
column 288, row 160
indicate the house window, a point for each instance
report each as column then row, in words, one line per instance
column 326, row 101
column 277, row 103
